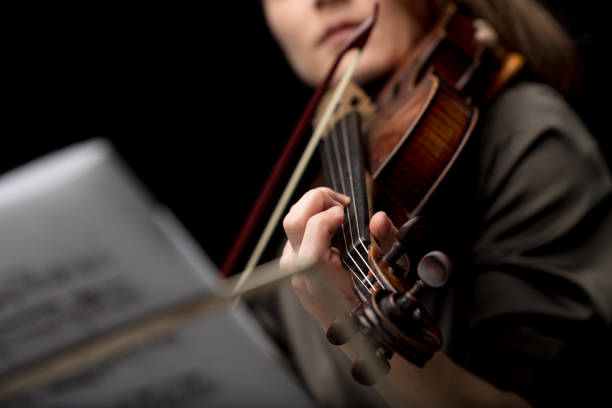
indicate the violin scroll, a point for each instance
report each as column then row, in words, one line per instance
column 397, row 321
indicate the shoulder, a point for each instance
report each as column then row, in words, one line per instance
column 532, row 122
column 527, row 109
column 545, row 197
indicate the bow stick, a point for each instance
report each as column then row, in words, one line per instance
column 358, row 41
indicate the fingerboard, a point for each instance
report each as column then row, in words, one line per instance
column 344, row 170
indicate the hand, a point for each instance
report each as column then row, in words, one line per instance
column 310, row 226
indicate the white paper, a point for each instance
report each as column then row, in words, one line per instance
column 84, row 247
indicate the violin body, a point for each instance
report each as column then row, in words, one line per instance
column 422, row 140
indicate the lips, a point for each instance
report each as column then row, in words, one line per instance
column 338, row 32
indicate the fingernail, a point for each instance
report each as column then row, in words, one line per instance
column 381, row 222
column 346, row 200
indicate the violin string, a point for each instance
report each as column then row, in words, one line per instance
column 336, row 187
column 345, row 136
column 339, row 159
column 354, row 199
column 345, row 191
column 329, row 157
column 355, row 275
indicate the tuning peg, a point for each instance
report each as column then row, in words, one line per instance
column 393, row 322
column 434, row 270
column 410, row 239
column 342, row 329
column 415, row 229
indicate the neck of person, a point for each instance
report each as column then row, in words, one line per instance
column 373, row 87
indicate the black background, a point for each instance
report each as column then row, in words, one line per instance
column 197, row 99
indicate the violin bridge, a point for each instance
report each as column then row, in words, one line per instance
column 353, row 99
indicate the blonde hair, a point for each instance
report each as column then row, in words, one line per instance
column 526, row 27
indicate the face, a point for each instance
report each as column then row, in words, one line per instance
column 311, row 33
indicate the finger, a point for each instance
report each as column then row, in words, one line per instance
column 385, row 233
column 344, row 199
column 334, row 259
column 339, row 278
column 318, row 234
column 383, row 230
column 287, row 259
column 313, row 202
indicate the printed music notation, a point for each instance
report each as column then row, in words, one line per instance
column 87, row 251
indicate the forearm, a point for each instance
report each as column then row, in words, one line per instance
column 441, row 383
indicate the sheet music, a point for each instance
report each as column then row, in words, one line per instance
column 84, row 248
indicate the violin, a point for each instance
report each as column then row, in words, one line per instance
column 393, row 153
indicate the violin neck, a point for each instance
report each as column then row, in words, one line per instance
column 343, row 166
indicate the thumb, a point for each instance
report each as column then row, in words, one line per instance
column 383, row 229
